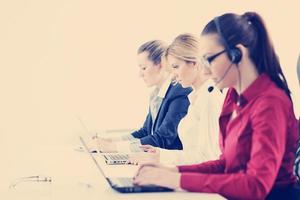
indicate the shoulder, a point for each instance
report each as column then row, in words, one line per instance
column 273, row 100
column 274, row 96
column 177, row 90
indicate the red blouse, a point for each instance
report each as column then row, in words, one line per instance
column 258, row 145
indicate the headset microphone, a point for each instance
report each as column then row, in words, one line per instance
column 211, row 88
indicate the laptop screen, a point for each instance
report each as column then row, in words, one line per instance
column 87, row 150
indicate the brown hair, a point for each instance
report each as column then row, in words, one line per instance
column 250, row 31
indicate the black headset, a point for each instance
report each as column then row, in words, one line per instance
column 234, row 53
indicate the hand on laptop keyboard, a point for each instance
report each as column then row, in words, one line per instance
column 149, row 148
column 102, row 145
column 143, row 157
column 157, row 174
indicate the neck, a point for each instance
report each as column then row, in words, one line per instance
column 162, row 80
column 246, row 76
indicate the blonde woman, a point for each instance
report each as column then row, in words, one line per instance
column 168, row 105
column 198, row 130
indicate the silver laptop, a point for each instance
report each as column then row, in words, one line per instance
column 115, row 158
column 110, row 158
column 124, row 185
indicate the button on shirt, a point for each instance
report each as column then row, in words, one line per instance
column 258, row 145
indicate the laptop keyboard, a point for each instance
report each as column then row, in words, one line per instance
column 122, row 182
column 118, row 156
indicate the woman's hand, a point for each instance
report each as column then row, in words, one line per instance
column 102, row 145
column 143, row 157
column 149, row 148
column 157, row 174
column 150, row 155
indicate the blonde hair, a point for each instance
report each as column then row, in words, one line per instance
column 155, row 48
column 184, row 47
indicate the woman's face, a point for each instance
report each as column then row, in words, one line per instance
column 184, row 72
column 220, row 69
column 150, row 72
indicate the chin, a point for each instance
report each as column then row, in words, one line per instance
column 184, row 85
column 220, row 86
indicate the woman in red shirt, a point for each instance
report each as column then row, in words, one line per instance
column 258, row 128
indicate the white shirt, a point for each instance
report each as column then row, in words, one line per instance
column 198, row 130
column 156, row 98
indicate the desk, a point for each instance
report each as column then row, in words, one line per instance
column 75, row 176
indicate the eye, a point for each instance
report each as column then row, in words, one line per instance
column 175, row 66
column 143, row 68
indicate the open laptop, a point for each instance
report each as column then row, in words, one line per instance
column 124, row 185
column 110, row 158
column 115, row 158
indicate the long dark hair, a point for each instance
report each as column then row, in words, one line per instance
column 250, row 31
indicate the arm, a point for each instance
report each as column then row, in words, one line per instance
column 268, row 146
column 127, row 137
column 167, row 132
column 170, row 156
column 132, row 143
column 142, row 132
column 183, row 157
column 126, row 143
column 209, row 167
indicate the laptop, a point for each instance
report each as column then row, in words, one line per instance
column 124, row 185
column 110, row 158
column 115, row 158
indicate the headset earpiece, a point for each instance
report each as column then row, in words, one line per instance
column 235, row 55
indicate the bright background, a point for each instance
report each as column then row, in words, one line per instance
column 61, row 59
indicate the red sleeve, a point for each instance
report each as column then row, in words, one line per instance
column 215, row 166
column 269, row 125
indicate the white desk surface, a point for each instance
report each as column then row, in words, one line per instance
column 74, row 176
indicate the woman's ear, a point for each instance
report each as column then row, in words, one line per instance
column 158, row 65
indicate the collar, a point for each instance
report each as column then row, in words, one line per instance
column 256, row 88
column 201, row 91
column 164, row 88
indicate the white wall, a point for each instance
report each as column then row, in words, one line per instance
column 66, row 58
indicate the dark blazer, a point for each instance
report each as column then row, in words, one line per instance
column 173, row 108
